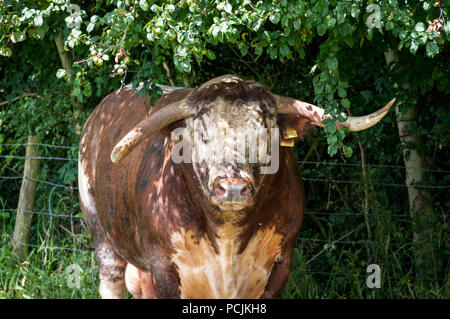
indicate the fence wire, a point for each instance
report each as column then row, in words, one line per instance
column 38, row 144
column 372, row 165
column 39, row 157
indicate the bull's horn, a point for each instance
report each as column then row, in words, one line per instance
column 149, row 126
column 359, row 123
column 286, row 105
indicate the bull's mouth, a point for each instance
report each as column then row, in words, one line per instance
column 232, row 205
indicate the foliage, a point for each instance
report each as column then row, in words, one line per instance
column 326, row 52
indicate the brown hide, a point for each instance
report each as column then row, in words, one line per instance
column 142, row 200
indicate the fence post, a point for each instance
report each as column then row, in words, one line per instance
column 26, row 199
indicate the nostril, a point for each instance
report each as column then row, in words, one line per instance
column 219, row 190
column 246, row 191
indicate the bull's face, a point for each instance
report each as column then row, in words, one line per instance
column 230, row 143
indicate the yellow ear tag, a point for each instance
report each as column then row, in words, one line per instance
column 288, row 137
column 289, row 133
column 287, row 143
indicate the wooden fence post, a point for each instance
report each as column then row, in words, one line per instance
column 26, row 199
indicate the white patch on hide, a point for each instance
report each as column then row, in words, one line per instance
column 206, row 274
column 83, row 179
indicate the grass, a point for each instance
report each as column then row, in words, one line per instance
column 44, row 274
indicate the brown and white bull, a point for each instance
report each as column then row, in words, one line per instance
column 199, row 229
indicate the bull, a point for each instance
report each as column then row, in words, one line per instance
column 202, row 228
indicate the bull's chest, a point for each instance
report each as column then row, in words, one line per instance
column 205, row 273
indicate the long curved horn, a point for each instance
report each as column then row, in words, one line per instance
column 150, row 125
column 359, row 123
column 287, row 105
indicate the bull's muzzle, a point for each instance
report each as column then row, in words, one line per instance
column 233, row 192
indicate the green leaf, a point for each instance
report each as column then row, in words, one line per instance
column 185, row 66
column 447, row 27
column 60, row 73
column 143, row 4
column 17, row 37
column 227, row 8
column 38, row 20
column 332, row 63
column 258, row 50
column 244, row 50
column 284, row 50
column 76, row 33
column 210, row 55
column 143, row 92
column 26, row 14
column 273, row 52
column 77, row 93
column 348, row 151
column 420, row 27
column 330, row 127
column 423, row 39
column 332, row 150
column 275, row 18
column 342, row 92
column 332, row 139
column 90, row 27
column 5, row 51
column 402, row 35
column 87, row 89
column 346, row 29
column 413, row 48
column 389, row 26
column 345, row 103
column 321, row 29
column 355, row 11
column 432, row 49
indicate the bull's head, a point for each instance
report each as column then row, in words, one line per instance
column 228, row 110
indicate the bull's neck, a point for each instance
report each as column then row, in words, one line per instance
column 229, row 227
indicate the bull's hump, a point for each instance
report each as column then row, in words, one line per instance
column 225, row 273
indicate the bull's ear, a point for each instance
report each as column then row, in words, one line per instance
column 293, row 127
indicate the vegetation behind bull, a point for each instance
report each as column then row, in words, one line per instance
column 331, row 53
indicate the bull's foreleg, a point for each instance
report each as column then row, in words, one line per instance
column 279, row 275
column 112, row 272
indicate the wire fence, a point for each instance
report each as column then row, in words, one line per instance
column 326, row 243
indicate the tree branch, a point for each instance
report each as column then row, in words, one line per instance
column 20, row 96
column 66, row 61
